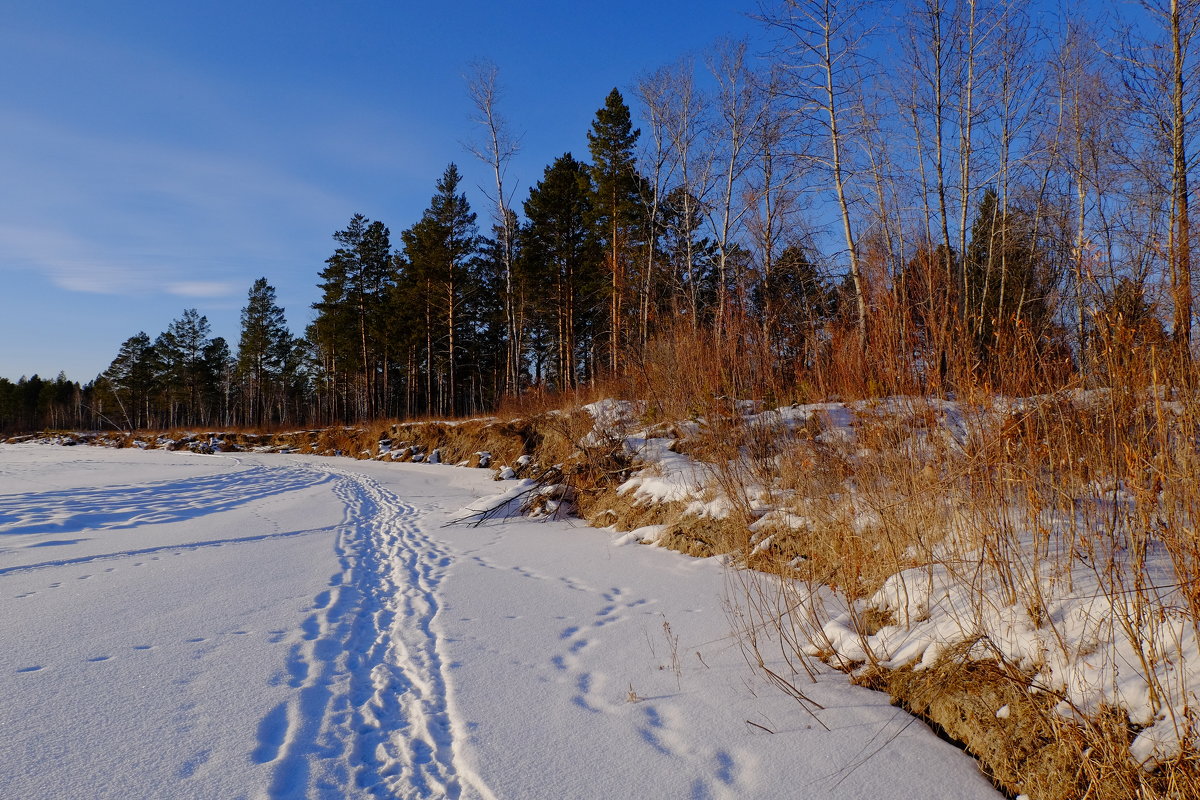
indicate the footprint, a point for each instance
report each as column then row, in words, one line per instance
column 189, row 767
column 584, row 686
column 195, row 639
column 650, row 733
column 83, row 577
column 97, row 659
column 725, row 767
column 271, row 734
column 34, row 668
column 297, row 667
column 143, row 647
column 422, row 752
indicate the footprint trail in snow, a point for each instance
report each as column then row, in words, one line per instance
column 371, row 711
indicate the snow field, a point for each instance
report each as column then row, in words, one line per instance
column 289, row 627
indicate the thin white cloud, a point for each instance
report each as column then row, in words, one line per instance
column 202, row 289
column 67, row 261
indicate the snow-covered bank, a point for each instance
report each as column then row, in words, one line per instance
column 285, row 626
column 1044, row 545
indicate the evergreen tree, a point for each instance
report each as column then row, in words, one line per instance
column 1127, row 327
column 441, row 253
column 10, row 406
column 217, row 386
column 499, row 312
column 29, row 392
column 264, row 354
column 1007, row 277
column 349, row 332
column 793, row 302
column 617, row 205
column 407, row 329
column 332, row 333
column 182, row 356
column 560, row 262
column 58, row 403
column 131, row 379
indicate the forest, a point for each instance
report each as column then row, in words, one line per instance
column 968, row 196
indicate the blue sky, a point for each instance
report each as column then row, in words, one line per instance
column 160, row 155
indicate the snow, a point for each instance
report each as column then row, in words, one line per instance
column 279, row 626
column 1095, row 649
column 675, row 478
column 1102, row 638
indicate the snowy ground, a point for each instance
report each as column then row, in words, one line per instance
column 188, row 626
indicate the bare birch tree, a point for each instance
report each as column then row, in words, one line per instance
column 654, row 92
column 686, row 126
column 740, row 111
column 772, row 193
column 497, row 149
column 821, row 56
column 1159, row 87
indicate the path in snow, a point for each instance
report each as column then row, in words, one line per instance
column 286, row 627
column 372, row 690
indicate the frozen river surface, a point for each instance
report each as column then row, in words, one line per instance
column 237, row 626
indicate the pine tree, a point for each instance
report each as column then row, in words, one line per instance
column 690, row 259
column 58, row 403
column 349, row 332
column 560, row 261
column 617, row 206
column 131, row 379
column 332, row 333
column 441, row 252
column 264, row 353
column 181, row 355
column 1006, row 276
column 499, row 316
column 793, row 301
column 217, row 384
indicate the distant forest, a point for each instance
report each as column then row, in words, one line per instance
column 966, row 195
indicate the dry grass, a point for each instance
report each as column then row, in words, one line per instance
column 1017, row 500
column 1025, row 749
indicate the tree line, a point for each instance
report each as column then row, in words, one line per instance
column 966, row 194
